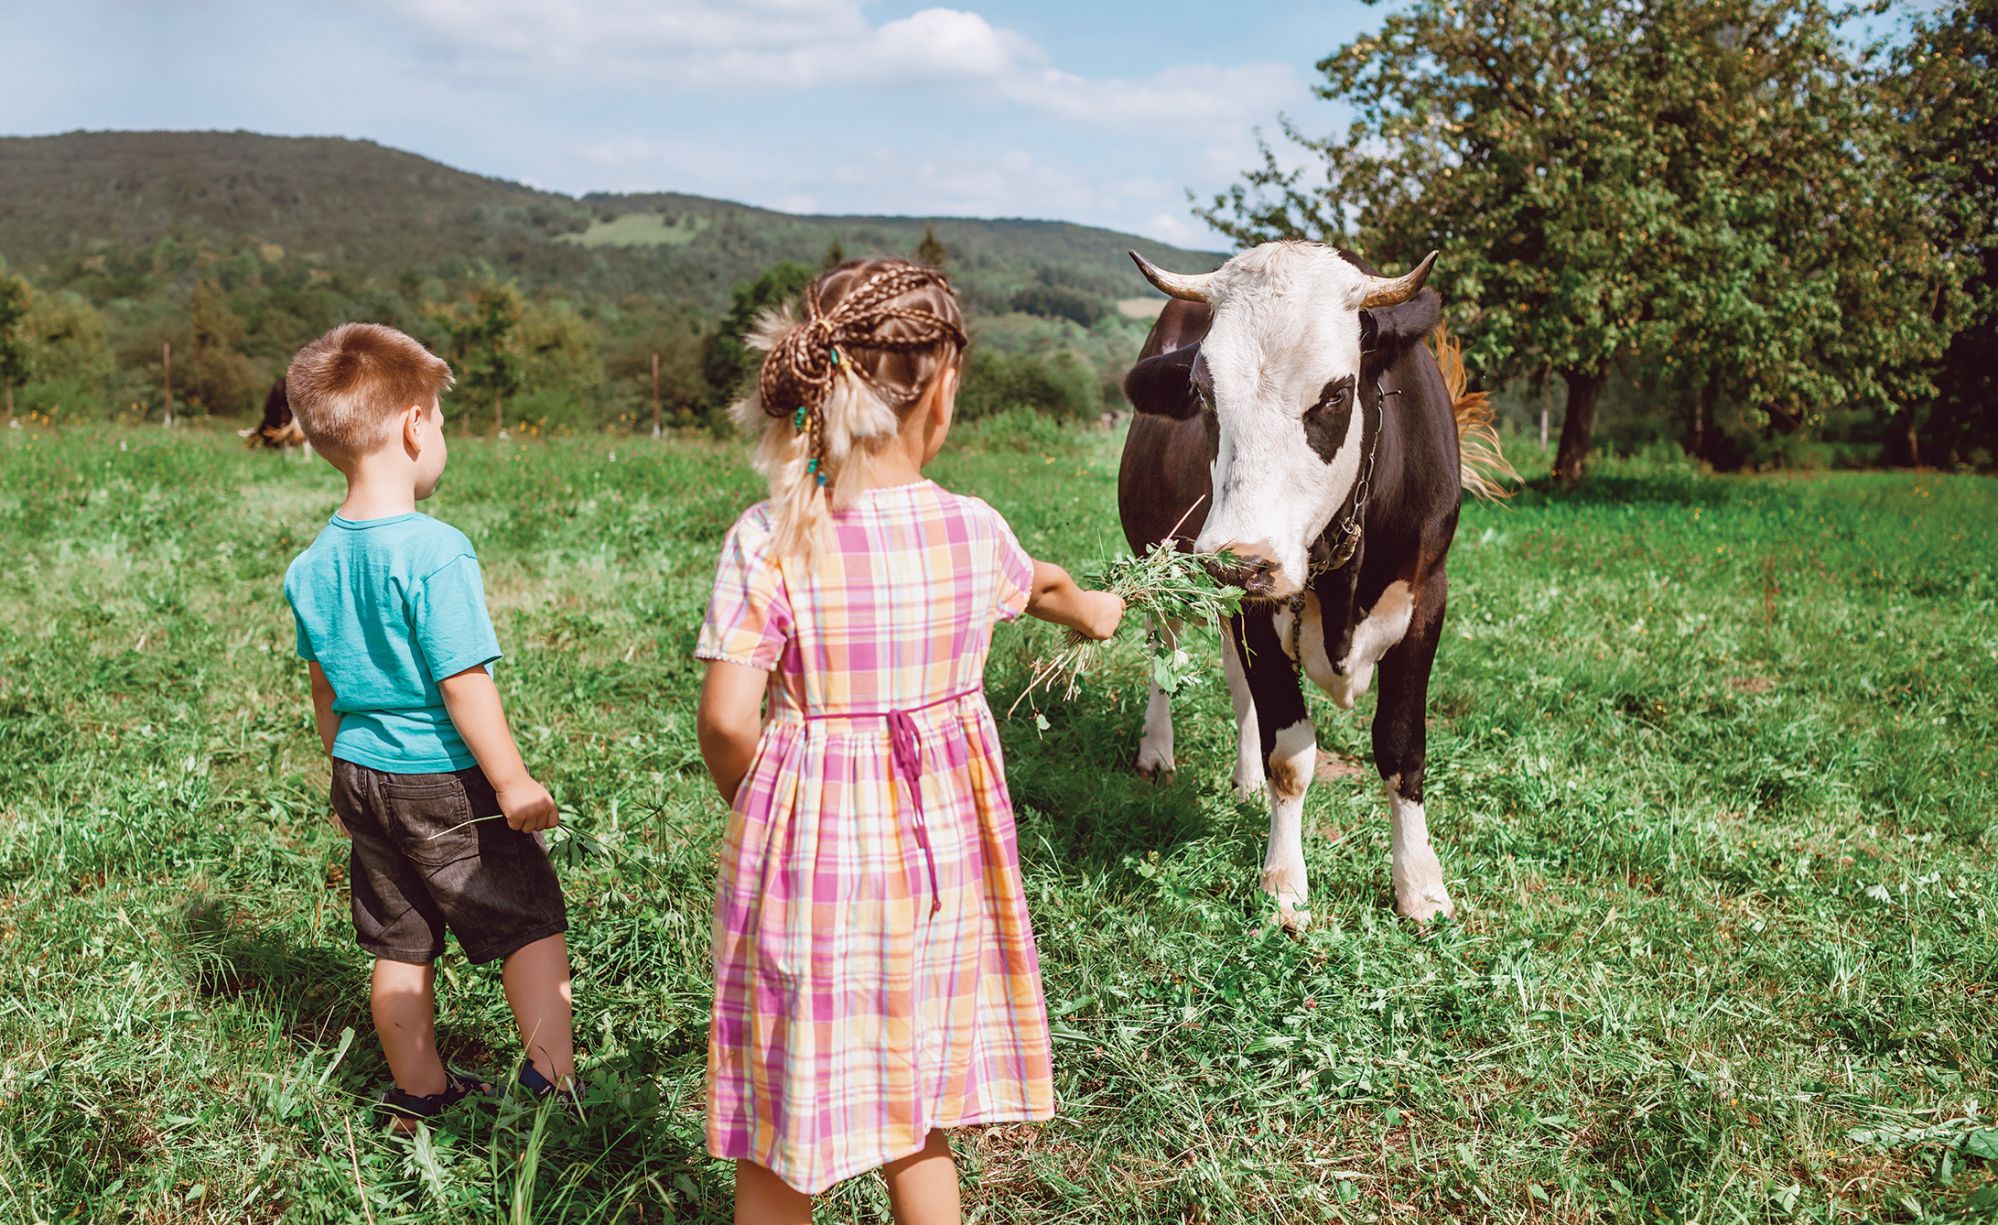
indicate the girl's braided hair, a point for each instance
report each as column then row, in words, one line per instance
column 832, row 389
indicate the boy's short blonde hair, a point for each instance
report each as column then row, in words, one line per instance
column 349, row 384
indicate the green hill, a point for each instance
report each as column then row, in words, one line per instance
column 363, row 208
column 237, row 247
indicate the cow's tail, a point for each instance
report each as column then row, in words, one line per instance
column 1486, row 470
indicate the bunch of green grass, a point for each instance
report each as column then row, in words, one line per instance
column 1166, row 586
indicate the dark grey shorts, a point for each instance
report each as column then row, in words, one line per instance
column 421, row 863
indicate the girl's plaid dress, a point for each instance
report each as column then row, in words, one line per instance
column 875, row 973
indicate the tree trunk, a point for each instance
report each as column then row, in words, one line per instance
column 499, row 425
column 1703, row 421
column 166, row 378
column 1578, row 425
column 655, row 395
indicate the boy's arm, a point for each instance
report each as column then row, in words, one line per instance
column 1057, row 598
column 474, row 704
column 327, row 721
column 322, row 707
column 730, row 721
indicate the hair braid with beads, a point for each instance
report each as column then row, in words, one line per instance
column 833, row 387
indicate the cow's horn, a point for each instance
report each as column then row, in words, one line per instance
column 1393, row 290
column 1192, row 288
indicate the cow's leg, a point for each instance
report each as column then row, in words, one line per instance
column 1400, row 748
column 1289, row 746
column 1249, row 775
column 1155, row 748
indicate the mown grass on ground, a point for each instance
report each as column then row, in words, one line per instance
column 1711, row 772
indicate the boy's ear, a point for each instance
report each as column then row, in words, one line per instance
column 412, row 429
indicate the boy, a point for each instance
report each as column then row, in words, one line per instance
column 392, row 620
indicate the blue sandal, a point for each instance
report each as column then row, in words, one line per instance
column 540, row 1086
column 404, row 1108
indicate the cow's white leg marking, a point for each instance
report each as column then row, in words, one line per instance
column 1155, row 749
column 1290, row 767
column 1418, row 877
column 1248, row 735
column 1386, row 623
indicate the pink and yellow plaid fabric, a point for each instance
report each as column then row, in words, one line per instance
column 849, row 1020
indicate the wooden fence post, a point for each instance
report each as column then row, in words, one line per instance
column 166, row 378
column 655, row 395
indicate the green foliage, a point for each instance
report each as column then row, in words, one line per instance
column 1059, row 384
column 1702, row 193
column 727, row 363
column 486, row 343
column 1943, row 81
column 931, row 250
column 1060, row 302
column 15, row 303
column 1709, row 771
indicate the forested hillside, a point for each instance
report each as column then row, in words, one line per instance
column 237, row 247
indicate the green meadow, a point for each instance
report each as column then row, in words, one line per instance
column 1711, row 774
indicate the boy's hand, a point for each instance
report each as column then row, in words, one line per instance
column 1102, row 612
column 528, row 806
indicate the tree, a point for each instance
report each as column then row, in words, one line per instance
column 219, row 377
column 1613, row 184
column 15, row 300
column 930, row 251
column 484, row 331
column 726, row 362
column 1945, row 82
column 835, row 255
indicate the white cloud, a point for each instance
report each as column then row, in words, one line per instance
column 791, row 45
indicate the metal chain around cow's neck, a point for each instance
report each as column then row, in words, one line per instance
column 1349, row 528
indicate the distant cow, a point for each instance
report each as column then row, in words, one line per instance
column 279, row 429
column 1289, row 413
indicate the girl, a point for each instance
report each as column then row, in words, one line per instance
column 875, row 974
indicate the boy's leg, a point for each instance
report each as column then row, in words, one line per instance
column 537, row 989
column 405, row 1008
column 762, row 1198
column 922, row 1187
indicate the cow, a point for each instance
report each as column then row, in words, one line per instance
column 279, row 428
column 1290, row 418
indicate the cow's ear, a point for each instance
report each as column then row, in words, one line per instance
column 1162, row 385
column 1369, row 332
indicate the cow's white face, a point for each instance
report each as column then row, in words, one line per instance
column 1279, row 368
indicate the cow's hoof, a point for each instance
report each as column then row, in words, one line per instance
column 1157, row 767
column 1294, row 921
column 1425, row 907
column 1250, row 786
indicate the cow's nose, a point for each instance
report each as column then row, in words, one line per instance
column 1248, row 566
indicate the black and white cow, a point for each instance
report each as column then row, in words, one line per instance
column 1288, row 412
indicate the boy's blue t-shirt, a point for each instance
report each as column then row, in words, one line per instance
column 388, row 607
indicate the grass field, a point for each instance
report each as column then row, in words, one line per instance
column 1711, row 773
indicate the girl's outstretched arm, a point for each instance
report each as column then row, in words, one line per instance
column 729, row 722
column 1057, row 598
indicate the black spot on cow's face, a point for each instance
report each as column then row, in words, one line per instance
column 1326, row 422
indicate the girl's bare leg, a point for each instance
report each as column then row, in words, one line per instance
column 922, row 1187
column 762, row 1198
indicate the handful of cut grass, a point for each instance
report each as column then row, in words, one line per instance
column 1166, row 586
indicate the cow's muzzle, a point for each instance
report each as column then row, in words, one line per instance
column 1248, row 566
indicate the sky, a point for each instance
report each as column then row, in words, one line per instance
column 1084, row 111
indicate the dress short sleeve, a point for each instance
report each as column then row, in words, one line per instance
column 1014, row 568
column 448, row 614
column 749, row 614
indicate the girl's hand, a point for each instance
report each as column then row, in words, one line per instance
column 1101, row 613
